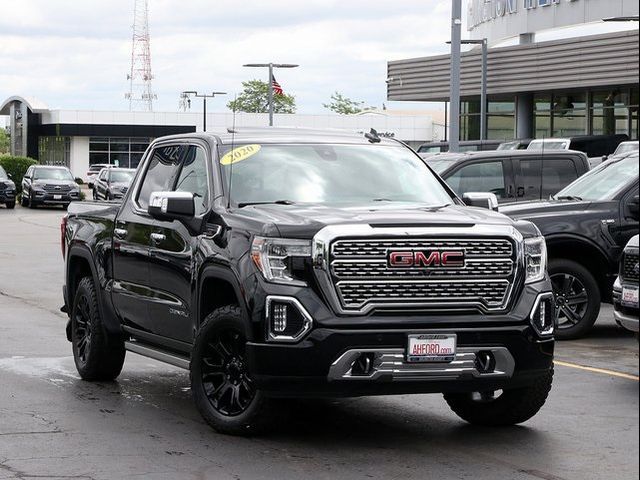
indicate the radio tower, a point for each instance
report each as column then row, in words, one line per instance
column 140, row 94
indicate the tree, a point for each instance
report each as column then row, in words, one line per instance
column 345, row 106
column 4, row 141
column 255, row 99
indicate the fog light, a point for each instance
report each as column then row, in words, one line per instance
column 287, row 320
column 543, row 317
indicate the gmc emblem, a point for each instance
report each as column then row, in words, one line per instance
column 426, row 259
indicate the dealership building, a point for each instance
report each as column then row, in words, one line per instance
column 79, row 138
column 557, row 88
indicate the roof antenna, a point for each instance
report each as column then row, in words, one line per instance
column 233, row 141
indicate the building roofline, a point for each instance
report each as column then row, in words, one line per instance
column 35, row 105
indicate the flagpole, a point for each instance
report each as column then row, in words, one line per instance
column 271, row 94
column 271, row 66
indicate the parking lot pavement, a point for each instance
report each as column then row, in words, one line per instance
column 52, row 425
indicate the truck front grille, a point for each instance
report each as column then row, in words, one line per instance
column 57, row 188
column 362, row 277
column 630, row 267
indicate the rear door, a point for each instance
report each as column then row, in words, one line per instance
column 172, row 254
column 539, row 177
column 483, row 175
column 132, row 293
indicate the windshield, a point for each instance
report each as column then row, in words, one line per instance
column 330, row 174
column 3, row 174
column 626, row 148
column 120, row 176
column 603, row 182
column 52, row 174
column 508, row 146
column 549, row 145
column 440, row 166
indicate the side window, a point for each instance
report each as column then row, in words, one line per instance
column 530, row 171
column 29, row 173
column 103, row 175
column 161, row 172
column 557, row 174
column 479, row 177
column 193, row 177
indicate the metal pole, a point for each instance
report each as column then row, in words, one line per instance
column 446, row 124
column 204, row 119
column 271, row 94
column 483, row 93
column 456, row 24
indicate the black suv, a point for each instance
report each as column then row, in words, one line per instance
column 7, row 190
column 512, row 175
column 278, row 263
column 587, row 225
column 48, row 185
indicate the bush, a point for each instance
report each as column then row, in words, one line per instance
column 16, row 167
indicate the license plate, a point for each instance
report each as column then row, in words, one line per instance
column 431, row 348
column 630, row 297
column 57, row 197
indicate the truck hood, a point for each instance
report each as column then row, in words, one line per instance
column 304, row 221
column 544, row 208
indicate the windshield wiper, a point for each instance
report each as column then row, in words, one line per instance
column 275, row 202
column 567, row 197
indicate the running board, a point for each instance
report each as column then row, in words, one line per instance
column 161, row 356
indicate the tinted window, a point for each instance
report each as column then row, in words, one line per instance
column 557, row 174
column 121, row 176
column 193, row 177
column 161, row 173
column 479, row 177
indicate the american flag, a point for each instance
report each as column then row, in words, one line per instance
column 277, row 88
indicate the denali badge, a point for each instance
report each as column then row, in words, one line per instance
column 426, row 259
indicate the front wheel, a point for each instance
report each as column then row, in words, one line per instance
column 577, row 298
column 97, row 355
column 503, row 408
column 221, row 384
column 11, row 205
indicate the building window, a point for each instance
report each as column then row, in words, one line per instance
column 611, row 112
column 54, row 151
column 121, row 151
column 500, row 119
column 569, row 115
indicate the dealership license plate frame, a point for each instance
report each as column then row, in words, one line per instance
column 630, row 297
column 442, row 340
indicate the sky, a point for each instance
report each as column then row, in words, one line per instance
column 74, row 54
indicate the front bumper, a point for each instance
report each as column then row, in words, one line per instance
column 6, row 197
column 626, row 317
column 48, row 198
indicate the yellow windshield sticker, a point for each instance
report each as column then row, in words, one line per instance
column 239, row 154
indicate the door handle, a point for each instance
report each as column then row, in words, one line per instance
column 158, row 237
column 120, row 233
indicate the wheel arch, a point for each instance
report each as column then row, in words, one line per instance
column 218, row 287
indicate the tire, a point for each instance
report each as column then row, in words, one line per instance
column 23, row 201
column 11, row 205
column 97, row 355
column 107, row 196
column 221, row 339
column 95, row 195
column 510, row 408
column 577, row 298
column 31, row 203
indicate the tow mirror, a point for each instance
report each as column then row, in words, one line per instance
column 172, row 206
column 634, row 207
column 481, row 199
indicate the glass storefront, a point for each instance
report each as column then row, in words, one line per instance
column 54, row 151
column 120, row 151
column 500, row 119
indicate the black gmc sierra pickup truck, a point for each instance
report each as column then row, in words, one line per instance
column 287, row 263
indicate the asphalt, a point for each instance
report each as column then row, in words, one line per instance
column 55, row 426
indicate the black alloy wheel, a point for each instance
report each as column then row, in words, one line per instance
column 225, row 379
column 572, row 301
column 82, row 330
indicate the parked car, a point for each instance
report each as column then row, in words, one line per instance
column 596, row 147
column 512, row 175
column 7, row 190
column 48, row 185
column 586, row 225
column 626, row 148
column 465, row 146
column 625, row 289
column 112, row 183
column 93, row 172
column 520, row 144
column 255, row 261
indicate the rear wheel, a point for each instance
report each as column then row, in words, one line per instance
column 503, row 408
column 577, row 298
column 11, row 205
column 97, row 355
column 31, row 203
column 23, row 200
column 221, row 383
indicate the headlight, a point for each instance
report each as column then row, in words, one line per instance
column 535, row 258
column 274, row 258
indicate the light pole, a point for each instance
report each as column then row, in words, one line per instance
column 204, row 97
column 271, row 66
column 456, row 27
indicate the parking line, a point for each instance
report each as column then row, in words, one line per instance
column 598, row 370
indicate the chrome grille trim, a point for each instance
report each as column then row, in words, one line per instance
column 494, row 251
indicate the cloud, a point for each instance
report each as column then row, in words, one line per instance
column 74, row 54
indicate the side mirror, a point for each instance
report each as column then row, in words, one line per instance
column 634, row 207
column 481, row 199
column 172, row 206
column 9, row 175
